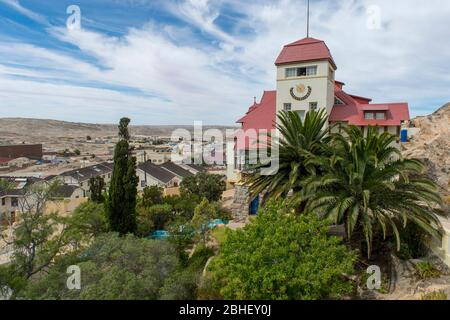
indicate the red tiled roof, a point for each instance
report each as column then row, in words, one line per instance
column 260, row 116
column 352, row 112
column 5, row 160
column 307, row 49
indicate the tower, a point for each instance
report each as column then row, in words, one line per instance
column 305, row 77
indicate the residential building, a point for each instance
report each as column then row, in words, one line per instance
column 80, row 177
column 12, row 199
column 151, row 174
column 158, row 154
column 177, row 170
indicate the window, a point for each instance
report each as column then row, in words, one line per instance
column 312, row 106
column 3, row 202
column 301, row 72
column 287, row 107
column 14, row 202
column 369, row 116
column 380, row 116
column 338, row 101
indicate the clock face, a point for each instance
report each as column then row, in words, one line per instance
column 300, row 89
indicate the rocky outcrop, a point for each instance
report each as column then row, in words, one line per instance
column 432, row 145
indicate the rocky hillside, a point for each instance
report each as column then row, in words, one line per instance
column 432, row 145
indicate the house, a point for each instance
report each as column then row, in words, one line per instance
column 158, row 154
column 80, row 177
column 193, row 168
column 177, row 170
column 152, row 175
column 12, row 198
column 69, row 192
column 306, row 81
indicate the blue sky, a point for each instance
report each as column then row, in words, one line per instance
column 175, row 62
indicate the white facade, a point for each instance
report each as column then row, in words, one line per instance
column 315, row 89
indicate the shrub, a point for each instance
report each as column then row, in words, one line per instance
column 427, row 270
column 282, row 256
column 435, row 295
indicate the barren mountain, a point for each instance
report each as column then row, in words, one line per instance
column 432, row 145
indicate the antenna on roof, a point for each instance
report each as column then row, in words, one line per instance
column 307, row 22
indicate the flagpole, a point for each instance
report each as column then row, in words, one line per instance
column 307, row 22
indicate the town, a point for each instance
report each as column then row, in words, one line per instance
column 310, row 188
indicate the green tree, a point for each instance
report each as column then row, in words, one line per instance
column 113, row 268
column 77, row 152
column 124, row 134
column 37, row 238
column 204, row 185
column 152, row 195
column 183, row 205
column 96, row 186
column 121, row 202
column 299, row 143
column 203, row 214
column 368, row 186
column 282, row 256
column 88, row 221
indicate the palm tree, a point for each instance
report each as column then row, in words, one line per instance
column 367, row 186
column 300, row 141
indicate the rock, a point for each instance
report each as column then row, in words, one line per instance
column 432, row 145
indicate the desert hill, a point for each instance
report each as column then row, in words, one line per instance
column 432, row 145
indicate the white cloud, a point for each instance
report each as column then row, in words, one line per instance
column 176, row 78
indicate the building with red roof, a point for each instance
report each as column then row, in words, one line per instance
column 306, row 81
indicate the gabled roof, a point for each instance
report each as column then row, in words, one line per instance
column 195, row 167
column 86, row 173
column 66, row 191
column 304, row 50
column 176, row 169
column 156, row 172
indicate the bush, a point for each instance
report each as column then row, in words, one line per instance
column 412, row 242
column 427, row 270
column 112, row 268
column 281, row 256
column 435, row 295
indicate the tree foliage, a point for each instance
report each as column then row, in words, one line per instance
column 121, row 202
column 369, row 187
column 152, row 195
column 97, row 186
column 282, row 256
column 204, row 185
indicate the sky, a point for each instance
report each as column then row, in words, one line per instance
column 176, row 62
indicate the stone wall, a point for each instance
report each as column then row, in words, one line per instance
column 241, row 203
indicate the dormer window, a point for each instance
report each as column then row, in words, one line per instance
column 371, row 115
column 338, row 101
column 301, row 72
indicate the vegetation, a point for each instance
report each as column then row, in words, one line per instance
column 152, row 195
column 356, row 180
column 97, row 186
column 121, row 202
column 282, row 256
column 203, row 185
column 435, row 295
column 427, row 270
column 204, row 213
column 302, row 141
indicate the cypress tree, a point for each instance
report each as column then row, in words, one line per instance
column 121, row 204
